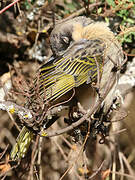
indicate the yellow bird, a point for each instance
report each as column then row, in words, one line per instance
column 84, row 53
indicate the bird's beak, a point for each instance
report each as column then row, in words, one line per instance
column 77, row 46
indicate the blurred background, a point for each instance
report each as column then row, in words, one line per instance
column 25, row 28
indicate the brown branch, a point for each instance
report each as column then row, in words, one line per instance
column 123, row 174
column 39, row 157
column 81, row 11
column 3, row 153
column 61, row 150
column 25, row 114
column 128, row 54
column 127, row 164
column 98, row 170
column 33, row 157
column 8, row 6
column 77, row 13
column 78, row 155
column 117, row 132
column 14, row 108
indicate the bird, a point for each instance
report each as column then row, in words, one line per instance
column 85, row 52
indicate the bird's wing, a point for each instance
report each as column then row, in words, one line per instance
column 59, row 76
column 53, row 82
column 22, row 144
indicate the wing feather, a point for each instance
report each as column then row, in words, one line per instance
column 59, row 76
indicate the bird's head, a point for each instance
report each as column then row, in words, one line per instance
column 63, row 35
column 76, row 31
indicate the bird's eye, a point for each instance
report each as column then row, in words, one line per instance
column 60, row 43
column 65, row 40
column 64, row 43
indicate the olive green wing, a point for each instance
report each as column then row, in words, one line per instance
column 74, row 68
column 22, row 144
column 53, row 82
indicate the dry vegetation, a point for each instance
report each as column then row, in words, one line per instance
column 25, row 28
